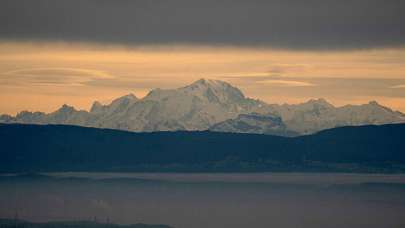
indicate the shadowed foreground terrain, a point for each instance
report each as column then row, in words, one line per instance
column 14, row 223
column 48, row 148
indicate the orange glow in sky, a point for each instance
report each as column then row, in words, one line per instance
column 43, row 76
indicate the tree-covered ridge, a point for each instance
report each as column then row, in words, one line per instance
column 38, row 148
column 16, row 223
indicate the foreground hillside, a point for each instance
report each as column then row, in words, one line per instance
column 34, row 148
column 13, row 223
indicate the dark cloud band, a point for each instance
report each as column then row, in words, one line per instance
column 295, row 24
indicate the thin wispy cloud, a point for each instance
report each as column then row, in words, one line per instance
column 280, row 69
column 54, row 76
column 398, row 87
column 286, row 83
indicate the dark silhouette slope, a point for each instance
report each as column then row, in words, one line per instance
column 15, row 223
column 33, row 148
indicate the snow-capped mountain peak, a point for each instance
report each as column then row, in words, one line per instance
column 205, row 103
column 66, row 109
column 214, row 91
column 320, row 102
column 128, row 97
column 96, row 107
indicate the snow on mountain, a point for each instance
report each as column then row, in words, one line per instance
column 64, row 115
column 316, row 115
column 212, row 104
column 254, row 123
column 194, row 107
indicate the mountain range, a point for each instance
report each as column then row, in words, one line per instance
column 212, row 105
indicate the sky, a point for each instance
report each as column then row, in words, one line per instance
column 54, row 52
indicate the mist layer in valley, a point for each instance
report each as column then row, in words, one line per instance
column 209, row 200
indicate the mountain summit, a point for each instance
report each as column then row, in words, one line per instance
column 216, row 105
column 214, row 91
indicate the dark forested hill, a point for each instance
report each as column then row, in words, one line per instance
column 34, row 148
column 13, row 223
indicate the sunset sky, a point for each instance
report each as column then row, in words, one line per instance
column 77, row 51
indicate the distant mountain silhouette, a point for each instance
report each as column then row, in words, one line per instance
column 16, row 223
column 34, row 148
column 216, row 105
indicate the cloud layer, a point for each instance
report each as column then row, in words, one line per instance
column 286, row 83
column 295, row 24
column 53, row 76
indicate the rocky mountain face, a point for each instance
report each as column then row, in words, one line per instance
column 254, row 123
column 213, row 105
column 316, row 115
